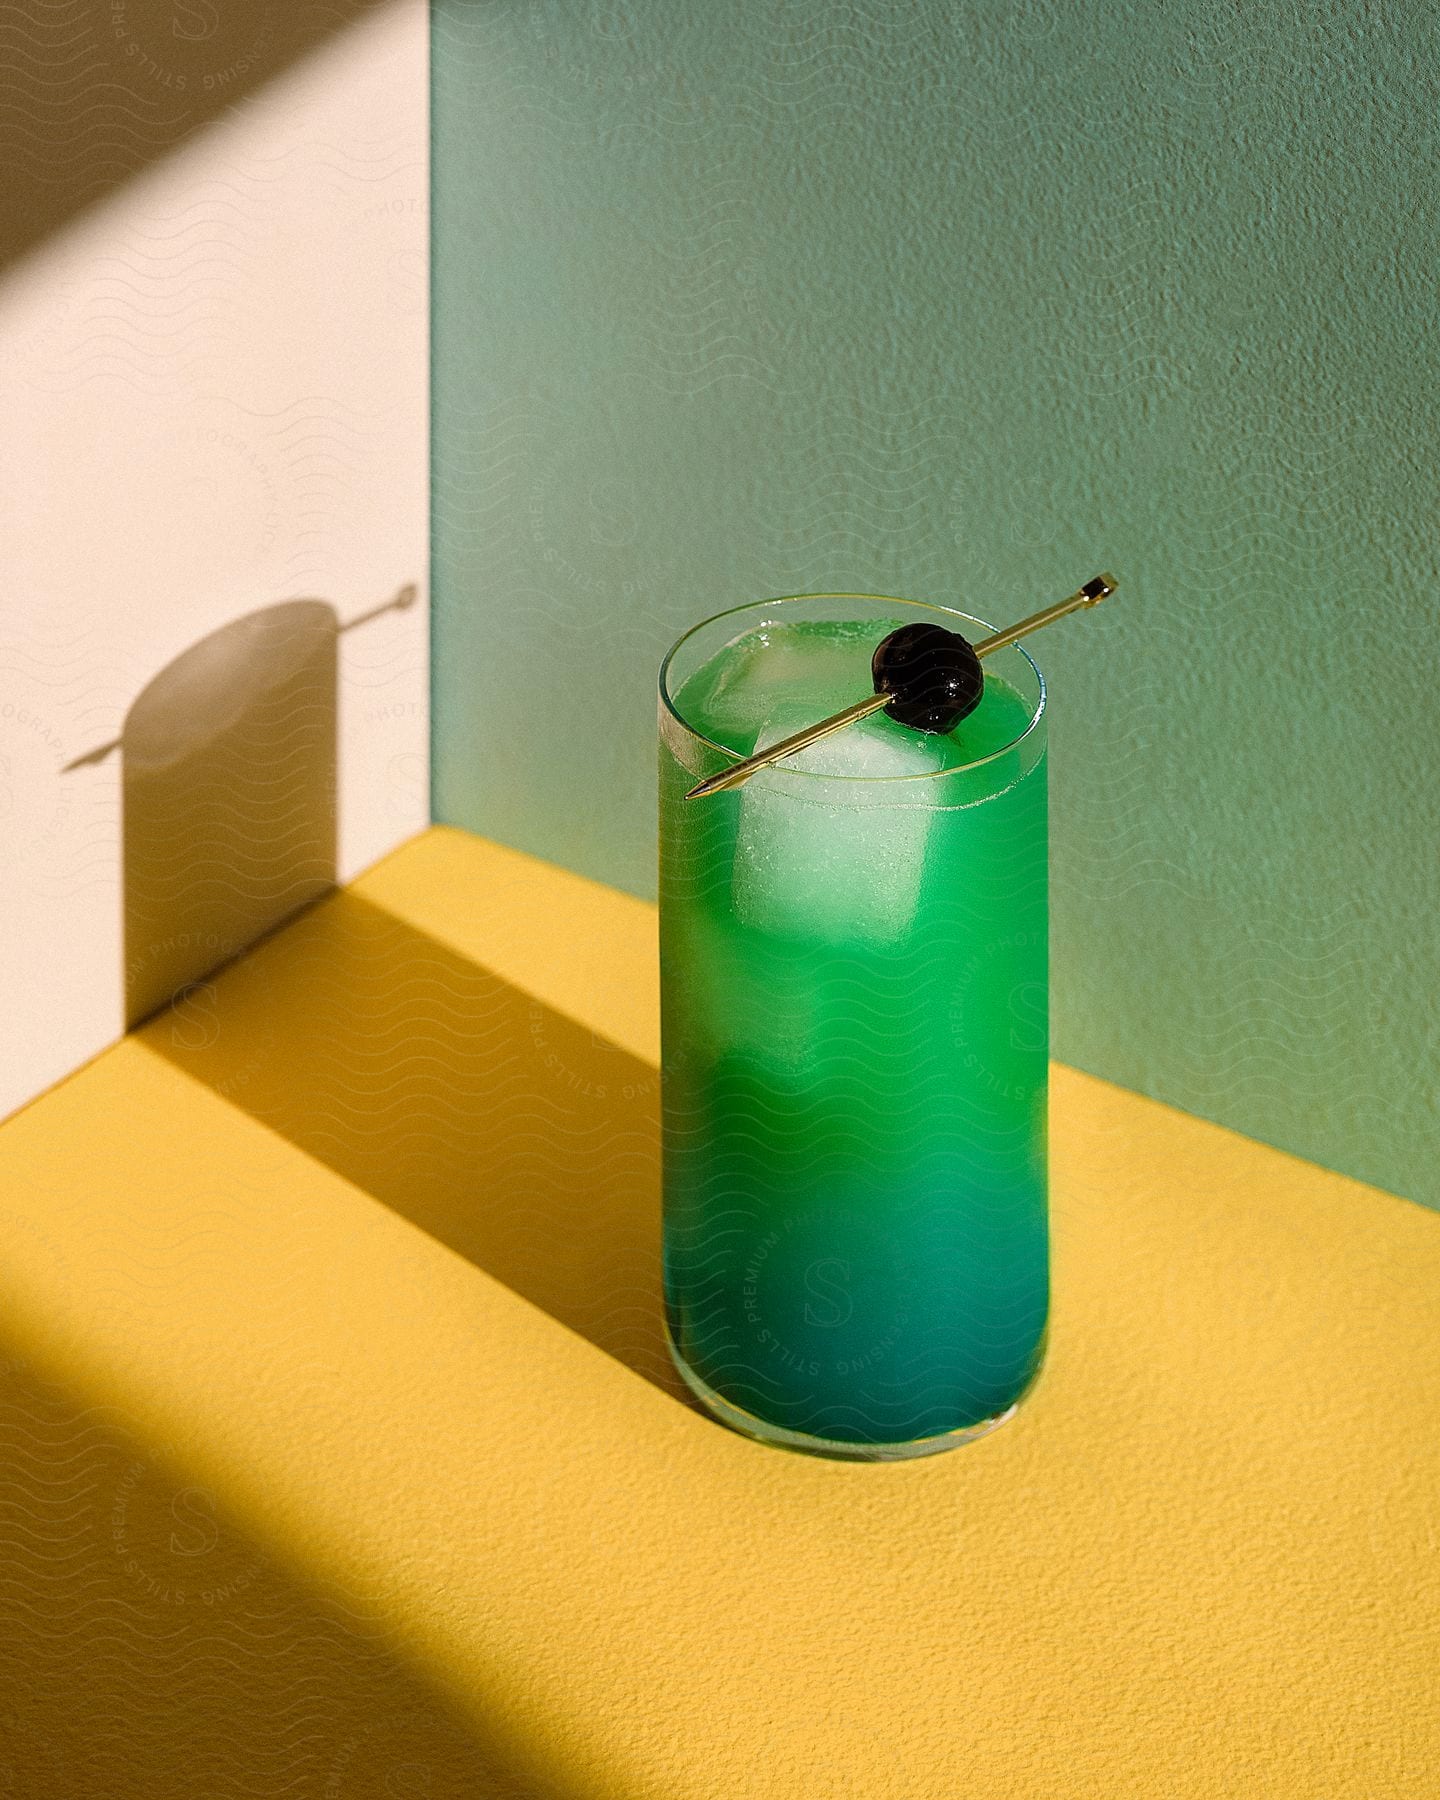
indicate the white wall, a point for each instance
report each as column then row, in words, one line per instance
column 212, row 399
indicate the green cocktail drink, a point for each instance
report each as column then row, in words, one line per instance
column 854, row 1004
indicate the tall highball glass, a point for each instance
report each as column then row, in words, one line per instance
column 855, row 1039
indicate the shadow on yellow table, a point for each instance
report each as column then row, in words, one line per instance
column 155, row 1649
column 1202, row 1562
column 526, row 1142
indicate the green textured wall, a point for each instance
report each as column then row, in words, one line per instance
column 966, row 302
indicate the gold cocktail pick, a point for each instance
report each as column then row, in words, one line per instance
column 1093, row 592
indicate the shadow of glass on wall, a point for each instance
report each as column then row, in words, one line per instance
column 228, row 794
column 525, row 1142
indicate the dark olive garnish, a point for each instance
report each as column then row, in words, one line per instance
column 934, row 675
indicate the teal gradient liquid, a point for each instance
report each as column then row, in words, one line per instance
column 854, row 1057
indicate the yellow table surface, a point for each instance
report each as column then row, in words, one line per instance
column 344, row 1458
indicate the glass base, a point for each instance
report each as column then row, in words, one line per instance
column 748, row 1425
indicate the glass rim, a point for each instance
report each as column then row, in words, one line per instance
column 791, row 774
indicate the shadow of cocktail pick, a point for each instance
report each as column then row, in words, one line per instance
column 398, row 603
column 229, row 793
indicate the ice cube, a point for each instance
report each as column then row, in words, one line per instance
column 817, row 668
column 740, row 1006
column 838, row 862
